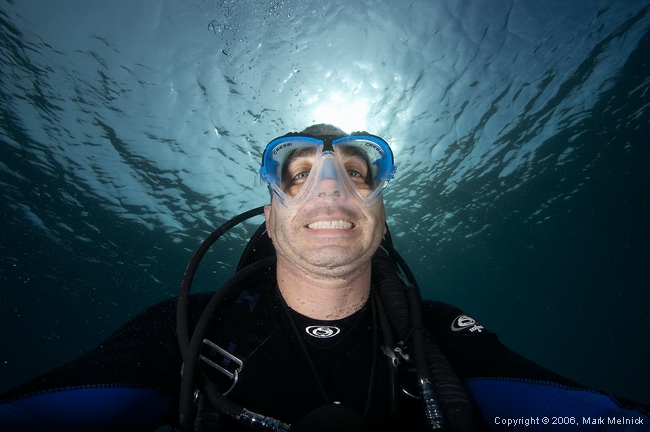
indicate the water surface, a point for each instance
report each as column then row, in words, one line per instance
column 130, row 130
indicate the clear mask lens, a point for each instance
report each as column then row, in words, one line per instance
column 300, row 168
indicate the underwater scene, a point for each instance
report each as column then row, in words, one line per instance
column 130, row 130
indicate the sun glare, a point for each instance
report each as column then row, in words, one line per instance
column 348, row 115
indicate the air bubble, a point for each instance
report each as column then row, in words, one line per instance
column 214, row 26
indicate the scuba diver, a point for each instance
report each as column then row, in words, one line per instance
column 322, row 328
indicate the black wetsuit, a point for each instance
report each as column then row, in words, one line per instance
column 131, row 381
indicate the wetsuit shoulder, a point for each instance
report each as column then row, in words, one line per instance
column 129, row 382
column 474, row 351
column 504, row 385
column 144, row 352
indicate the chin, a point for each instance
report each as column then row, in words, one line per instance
column 335, row 257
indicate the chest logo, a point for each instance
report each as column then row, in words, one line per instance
column 463, row 322
column 322, row 331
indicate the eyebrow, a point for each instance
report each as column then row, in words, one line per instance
column 351, row 151
column 296, row 154
column 300, row 152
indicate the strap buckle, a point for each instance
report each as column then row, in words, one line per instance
column 228, row 358
column 396, row 354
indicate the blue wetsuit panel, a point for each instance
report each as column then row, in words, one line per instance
column 87, row 408
column 507, row 404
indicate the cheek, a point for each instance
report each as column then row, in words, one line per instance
column 269, row 221
column 276, row 225
column 379, row 215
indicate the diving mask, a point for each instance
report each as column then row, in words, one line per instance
column 300, row 167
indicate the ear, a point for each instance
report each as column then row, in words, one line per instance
column 267, row 215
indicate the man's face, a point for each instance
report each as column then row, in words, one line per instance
column 331, row 235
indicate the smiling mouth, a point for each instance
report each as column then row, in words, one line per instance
column 337, row 224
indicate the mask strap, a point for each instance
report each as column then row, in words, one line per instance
column 327, row 145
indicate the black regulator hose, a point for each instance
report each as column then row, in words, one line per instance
column 182, row 307
column 455, row 393
column 457, row 408
column 190, row 348
column 190, row 364
column 439, row 383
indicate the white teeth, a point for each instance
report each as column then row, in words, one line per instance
column 339, row 224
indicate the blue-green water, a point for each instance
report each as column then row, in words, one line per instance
column 130, row 130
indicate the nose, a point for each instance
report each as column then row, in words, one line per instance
column 330, row 183
column 329, row 188
column 328, row 169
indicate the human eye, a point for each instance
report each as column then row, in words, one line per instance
column 300, row 177
column 296, row 175
column 356, row 175
column 357, row 169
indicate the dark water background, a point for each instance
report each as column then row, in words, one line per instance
column 128, row 131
